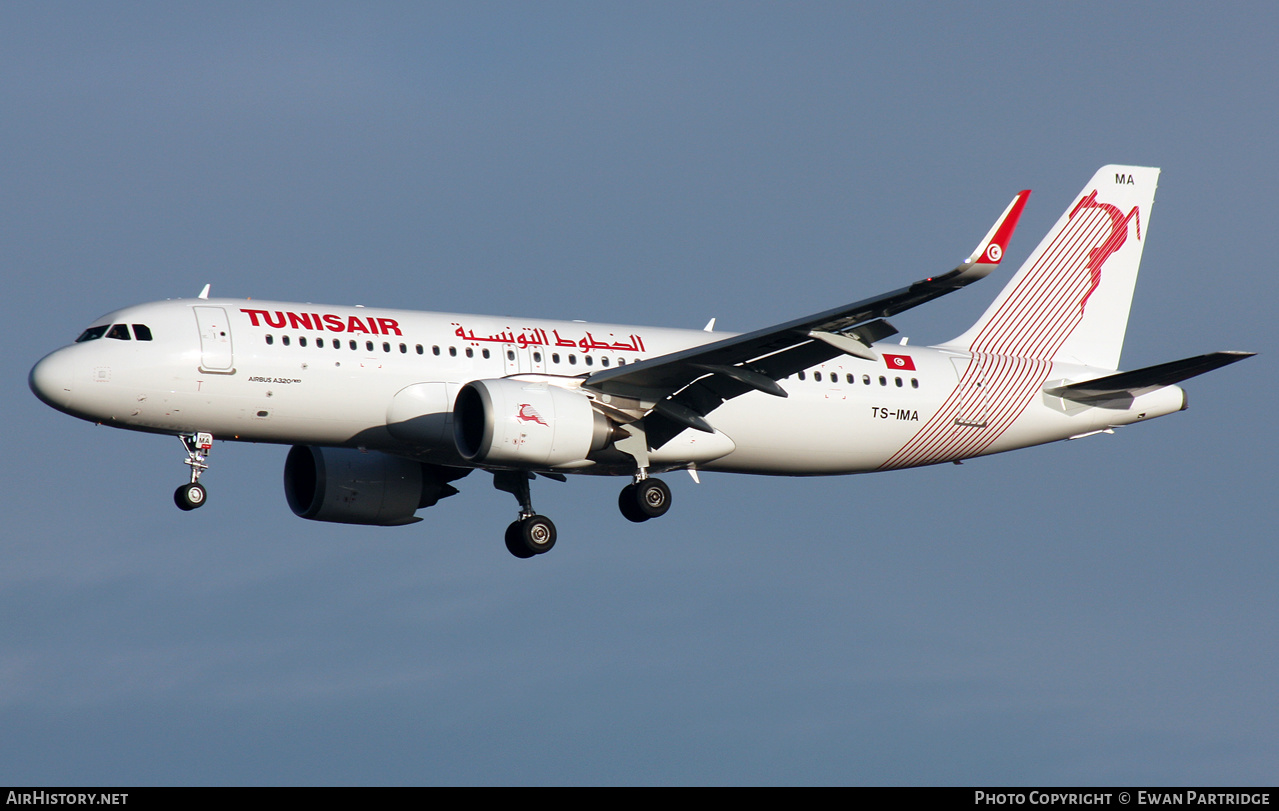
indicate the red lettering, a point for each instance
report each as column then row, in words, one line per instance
column 333, row 323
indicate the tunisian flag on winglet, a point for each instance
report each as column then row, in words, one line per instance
column 901, row 363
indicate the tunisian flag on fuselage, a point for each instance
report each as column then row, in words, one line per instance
column 901, row 363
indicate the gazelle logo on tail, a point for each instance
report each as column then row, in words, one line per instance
column 1118, row 235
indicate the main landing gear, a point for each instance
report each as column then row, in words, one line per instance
column 646, row 498
column 192, row 495
column 532, row 534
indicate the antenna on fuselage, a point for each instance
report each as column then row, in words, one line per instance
column 205, row 292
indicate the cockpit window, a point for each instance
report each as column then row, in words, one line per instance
column 92, row 334
column 119, row 331
column 142, row 332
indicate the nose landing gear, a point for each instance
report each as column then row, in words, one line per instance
column 192, row 495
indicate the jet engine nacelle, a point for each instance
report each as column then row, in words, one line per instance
column 526, row 424
column 348, row 486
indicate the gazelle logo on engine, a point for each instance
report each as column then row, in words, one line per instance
column 528, row 413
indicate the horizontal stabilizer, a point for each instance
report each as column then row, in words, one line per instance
column 1140, row 381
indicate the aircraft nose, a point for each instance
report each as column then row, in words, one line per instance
column 53, row 379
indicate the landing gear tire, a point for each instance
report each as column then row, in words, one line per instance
column 530, row 536
column 515, row 542
column 628, row 503
column 653, row 497
column 650, row 498
column 190, row 496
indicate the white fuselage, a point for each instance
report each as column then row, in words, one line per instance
column 352, row 376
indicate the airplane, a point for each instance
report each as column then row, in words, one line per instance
column 385, row 409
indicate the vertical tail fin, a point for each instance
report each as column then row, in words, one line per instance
column 1070, row 299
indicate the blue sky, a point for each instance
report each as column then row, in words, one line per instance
column 1092, row 612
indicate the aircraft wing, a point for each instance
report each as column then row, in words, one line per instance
column 689, row 384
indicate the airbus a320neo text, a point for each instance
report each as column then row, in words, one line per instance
column 385, row 409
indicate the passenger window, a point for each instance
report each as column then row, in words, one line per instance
column 555, row 357
column 284, row 339
column 604, row 360
column 621, row 361
column 142, row 332
column 368, row 346
column 510, row 354
column 421, row 351
column 883, row 381
column 435, row 350
column 353, row 346
column 270, row 339
column 865, row 380
column 801, row 376
column 914, row 382
column 92, row 334
column 404, row 350
column 386, row 346
column 119, row 331
column 485, row 353
column 302, row 341
column 851, row 379
column 537, row 357
column 572, row 359
column 452, row 351
column 470, row 353
column 590, row 361
column 899, row 382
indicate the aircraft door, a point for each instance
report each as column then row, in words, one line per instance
column 972, row 393
column 215, row 340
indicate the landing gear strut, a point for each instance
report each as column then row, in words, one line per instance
column 644, row 499
column 531, row 534
column 192, row 495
